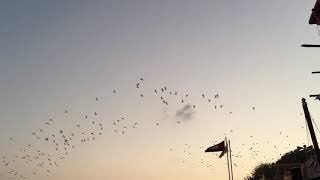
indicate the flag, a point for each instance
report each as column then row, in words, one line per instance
column 216, row 148
column 223, row 152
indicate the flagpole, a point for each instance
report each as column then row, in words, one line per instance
column 228, row 157
column 230, row 160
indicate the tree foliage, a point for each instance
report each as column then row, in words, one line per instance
column 298, row 155
column 268, row 170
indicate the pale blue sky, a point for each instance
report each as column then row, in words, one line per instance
column 57, row 55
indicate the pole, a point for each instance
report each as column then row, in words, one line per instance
column 314, row 95
column 230, row 159
column 310, row 45
column 311, row 130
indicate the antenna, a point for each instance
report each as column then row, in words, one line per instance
column 317, row 96
column 310, row 45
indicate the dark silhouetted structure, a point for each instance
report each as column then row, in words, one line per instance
column 310, row 126
column 315, row 15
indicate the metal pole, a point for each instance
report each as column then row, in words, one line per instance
column 314, row 95
column 230, row 159
column 311, row 130
column 310, row 45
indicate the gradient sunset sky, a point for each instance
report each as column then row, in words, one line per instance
column 61, row 55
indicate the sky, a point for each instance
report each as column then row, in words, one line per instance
column 57, row 57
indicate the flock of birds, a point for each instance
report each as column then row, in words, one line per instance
column 51, row 145
column 240, row 153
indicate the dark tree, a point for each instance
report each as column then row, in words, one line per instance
column 269, row 170
column 266, row 170
column 296, row 156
